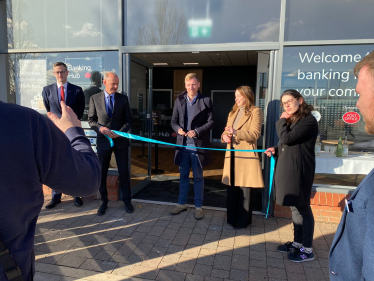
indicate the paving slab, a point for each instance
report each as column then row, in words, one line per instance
column 150, row 244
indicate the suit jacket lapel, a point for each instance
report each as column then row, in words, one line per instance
column 198, row 108
column 68, row 94
column 56, row 95
column 116, row 102
column 183, row 107
column 102, row 101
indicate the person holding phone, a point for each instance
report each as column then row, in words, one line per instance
column 297, row 131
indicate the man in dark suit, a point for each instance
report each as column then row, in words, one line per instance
column 351, row 253
column 73, row 96
column 192, row 119
column 108, row 111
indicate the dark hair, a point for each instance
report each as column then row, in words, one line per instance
column 59, row 63
column 248, row 94
column 304, row 108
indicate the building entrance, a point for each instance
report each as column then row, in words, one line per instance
column 154, row 175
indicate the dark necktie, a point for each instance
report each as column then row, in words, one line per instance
column 110, row 107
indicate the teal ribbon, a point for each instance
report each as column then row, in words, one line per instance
column 135, row 137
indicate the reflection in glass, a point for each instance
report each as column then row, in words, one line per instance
column 328, row 20
column 30, row 72
column 62, row 24
column 170, row 22
column 324, row 76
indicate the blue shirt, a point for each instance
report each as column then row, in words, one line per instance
column 190, row 109
column 107, row 99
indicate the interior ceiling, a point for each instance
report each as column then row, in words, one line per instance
column 204, row 59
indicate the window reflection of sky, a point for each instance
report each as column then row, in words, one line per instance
column 61, row 24
column 329, row 20
column 232, row 21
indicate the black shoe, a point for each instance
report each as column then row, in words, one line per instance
column 53, row 203
column 78, row 202
column 287, row 248
column 237, row 227
column 300, row 255
column 129, row 208
column 102, row 209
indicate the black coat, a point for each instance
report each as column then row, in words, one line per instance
column 294, row 172
column 120, row 121
column 202, row 122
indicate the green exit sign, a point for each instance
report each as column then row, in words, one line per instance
column 199, row 28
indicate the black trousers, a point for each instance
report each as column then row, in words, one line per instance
column 239, row 207
column 303, row 224
column 122, row 156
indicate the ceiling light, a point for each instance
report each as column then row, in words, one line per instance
column 160, row 63
column 190, row 63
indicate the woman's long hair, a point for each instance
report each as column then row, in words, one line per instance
column 304, row 108
column 248, row 94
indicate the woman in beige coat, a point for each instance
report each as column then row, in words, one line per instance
column 242, row 170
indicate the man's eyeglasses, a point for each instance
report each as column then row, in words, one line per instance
column 59, row 72
column 289, row 102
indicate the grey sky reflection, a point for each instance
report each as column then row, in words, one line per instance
column 233, row 21
column 329, row 20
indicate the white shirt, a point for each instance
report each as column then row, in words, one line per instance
column 59, row 90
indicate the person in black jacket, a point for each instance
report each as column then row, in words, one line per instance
column 33, row 152
column 192, row 120
column 297, row 131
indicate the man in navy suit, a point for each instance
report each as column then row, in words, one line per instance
column 109, row 111
column 73, row 96
column 351, row 253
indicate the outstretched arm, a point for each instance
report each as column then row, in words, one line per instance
column 65, row 159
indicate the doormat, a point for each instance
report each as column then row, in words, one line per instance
column 166, row 189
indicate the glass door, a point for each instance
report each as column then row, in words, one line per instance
column 138, row 77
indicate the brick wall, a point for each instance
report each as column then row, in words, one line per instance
column 112, row 187
column 327, row 207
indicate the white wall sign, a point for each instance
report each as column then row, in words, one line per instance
column 31, row 80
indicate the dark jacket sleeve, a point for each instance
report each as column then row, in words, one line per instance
column 303, row 130
column 81, row 102
column 66, row 162
column 92, row 116
column 368, row 257
column 174, row 122
column 128, row 118
column 204, row 129
column 46, row 100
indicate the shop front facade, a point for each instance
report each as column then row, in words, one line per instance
column 310, row 46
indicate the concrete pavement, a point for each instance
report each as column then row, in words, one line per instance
column 75, row 244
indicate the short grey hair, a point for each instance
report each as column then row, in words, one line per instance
column 106, row 75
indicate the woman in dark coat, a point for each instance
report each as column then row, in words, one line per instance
column 297, row 131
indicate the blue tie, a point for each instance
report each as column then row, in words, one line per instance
column 110, row 107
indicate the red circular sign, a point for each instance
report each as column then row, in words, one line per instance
column 174, row 134
column 87, row 75
column 351, row 117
